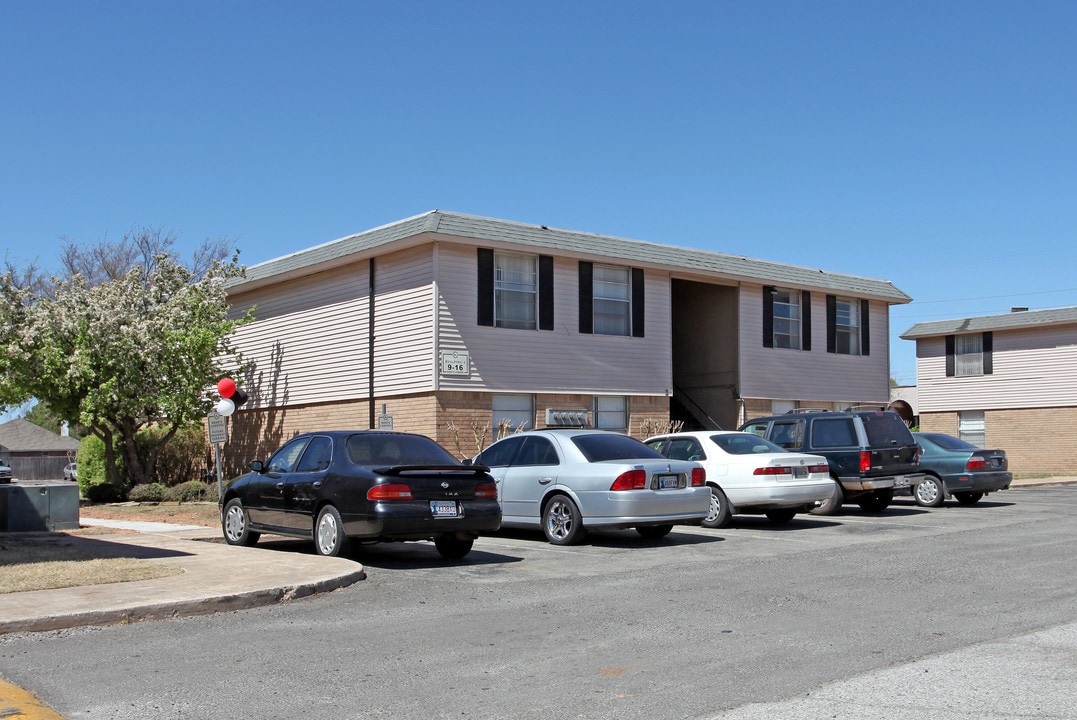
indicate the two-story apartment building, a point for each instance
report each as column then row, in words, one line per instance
column 1007, row 381
column 451, row 325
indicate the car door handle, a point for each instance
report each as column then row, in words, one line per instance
column 280, row 486
column 317, row 483
column 545, row 480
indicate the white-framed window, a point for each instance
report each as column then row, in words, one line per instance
column 515, row 291
column 611, row 412
column 513, row 411
column 969, row 355
column 847, row 326
column 612, row 300
column 972, row 427
column 786, row 318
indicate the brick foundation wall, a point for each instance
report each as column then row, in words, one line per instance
column 255, row 434
column 1030, row 447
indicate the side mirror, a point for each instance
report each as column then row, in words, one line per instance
column 257, row 466
column 466, row 461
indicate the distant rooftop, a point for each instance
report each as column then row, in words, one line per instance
column 21, row 435
column 1007, row 321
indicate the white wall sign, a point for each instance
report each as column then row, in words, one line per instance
column 455, row 362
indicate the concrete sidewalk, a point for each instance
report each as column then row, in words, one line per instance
column 215, row 577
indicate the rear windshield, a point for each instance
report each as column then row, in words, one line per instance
column 597, row 448
column 744, row 444
column 950, row 442
column 885, row 429
column 376, row 449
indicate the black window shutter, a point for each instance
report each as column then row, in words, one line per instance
column 637, row 302
column 768, row 316
column 485, row 287
column 989, row 351
column 831, row 323
column 805, row 320
column 587, row 295
column 951, row 350
column 865, row 330
column 545, row 292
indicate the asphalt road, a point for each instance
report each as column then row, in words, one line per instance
column 944, row 614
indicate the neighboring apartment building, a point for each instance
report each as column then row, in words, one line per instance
column 1003, row 381
column 449, row 325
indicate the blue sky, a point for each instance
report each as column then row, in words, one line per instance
column 930, row 143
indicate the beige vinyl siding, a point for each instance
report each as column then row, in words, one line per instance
column 308, row 341
column 403, row 317
column 1032, row 367
column 562, row 360
column 780, row 373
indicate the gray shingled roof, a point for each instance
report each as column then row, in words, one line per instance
column 21, row 435
column 566, row 242
column 1008, row 321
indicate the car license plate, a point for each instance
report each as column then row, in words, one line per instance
column 800, row 472
column 669, row 482
column 444, row 508
column 901, row 481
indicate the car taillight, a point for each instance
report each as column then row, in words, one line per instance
column 631, row 480
column 865, row 461
column 485, row 491
column 819, row 468
column 976, row 463
column 773, row 470
column 391, row 491
column 699, row 477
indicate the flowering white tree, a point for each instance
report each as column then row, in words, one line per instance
column 123, row 352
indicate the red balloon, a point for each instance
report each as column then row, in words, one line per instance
column 226, row 387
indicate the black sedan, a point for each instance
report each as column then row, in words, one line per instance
column 367, row 485
column 953, row 467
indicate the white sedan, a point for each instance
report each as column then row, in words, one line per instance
column 748, row 474
column 566, row 481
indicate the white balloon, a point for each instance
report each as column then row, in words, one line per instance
column 225, row 407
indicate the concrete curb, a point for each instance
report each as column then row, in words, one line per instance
column 183, row 608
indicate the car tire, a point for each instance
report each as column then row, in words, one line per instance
column 653, row 532
column 968, row 498
column 562, row 522
column 929, row 492
column 718, row 515
column 832, row 505
column 451, row 547
column 329, row 537
column 781, row 516
column 236, row 524
column 876, row 501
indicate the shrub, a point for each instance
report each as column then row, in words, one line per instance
column 184, row 457
column 191, row 491
column 149, row 492
column 94, row 483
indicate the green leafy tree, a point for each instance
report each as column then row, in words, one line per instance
column 119, row 351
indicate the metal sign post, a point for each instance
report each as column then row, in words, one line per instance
column 218, row 433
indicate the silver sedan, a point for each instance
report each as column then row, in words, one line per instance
column 566, row 481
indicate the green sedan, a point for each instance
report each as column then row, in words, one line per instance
column 955, row 468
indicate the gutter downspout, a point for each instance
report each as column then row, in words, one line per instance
column 370, row 345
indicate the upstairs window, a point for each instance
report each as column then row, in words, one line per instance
column 515, row 290
column 786, row 318
column 969, row 355
column 611, row 300
column 847, row 326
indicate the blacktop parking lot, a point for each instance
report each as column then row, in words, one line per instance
column 217, row 577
